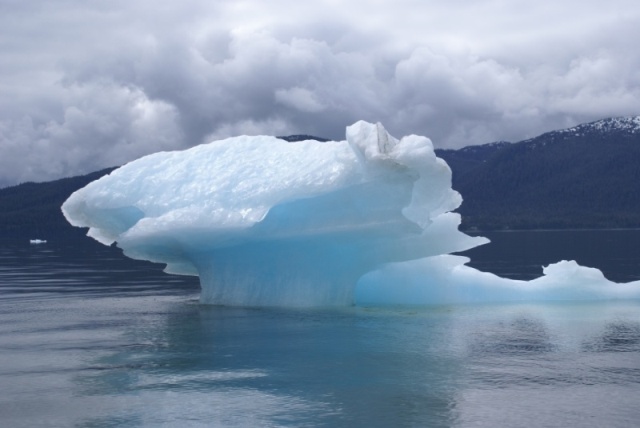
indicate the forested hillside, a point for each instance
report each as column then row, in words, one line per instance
column 32, row 210
column 583, row 177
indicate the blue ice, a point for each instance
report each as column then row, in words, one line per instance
column 264, row 222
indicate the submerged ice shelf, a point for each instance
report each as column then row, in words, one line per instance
column 264, row 222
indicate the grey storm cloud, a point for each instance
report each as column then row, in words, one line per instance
column 89, row 84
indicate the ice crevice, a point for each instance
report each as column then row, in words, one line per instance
column 264, row 222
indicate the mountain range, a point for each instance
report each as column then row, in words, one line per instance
column 587, row 176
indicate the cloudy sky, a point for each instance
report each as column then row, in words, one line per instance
column 86, row 84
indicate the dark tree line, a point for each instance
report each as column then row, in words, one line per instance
column 587, row 179
column 32, row 210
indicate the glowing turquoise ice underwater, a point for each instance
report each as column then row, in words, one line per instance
column 264, row 222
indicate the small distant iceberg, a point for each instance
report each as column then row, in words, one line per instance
column 37, row 241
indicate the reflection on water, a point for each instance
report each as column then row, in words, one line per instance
column 617, row 336
column 527, row 336
column 90, row 339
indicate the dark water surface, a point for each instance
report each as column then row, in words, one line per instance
column 521, row 254
column 91, row 339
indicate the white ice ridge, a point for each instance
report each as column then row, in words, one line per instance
column 264, row 222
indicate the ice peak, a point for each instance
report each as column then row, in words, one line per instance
column 370, row 141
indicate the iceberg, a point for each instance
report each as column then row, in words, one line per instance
column 264, row 222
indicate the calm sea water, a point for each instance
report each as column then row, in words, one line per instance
column 91, row 339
